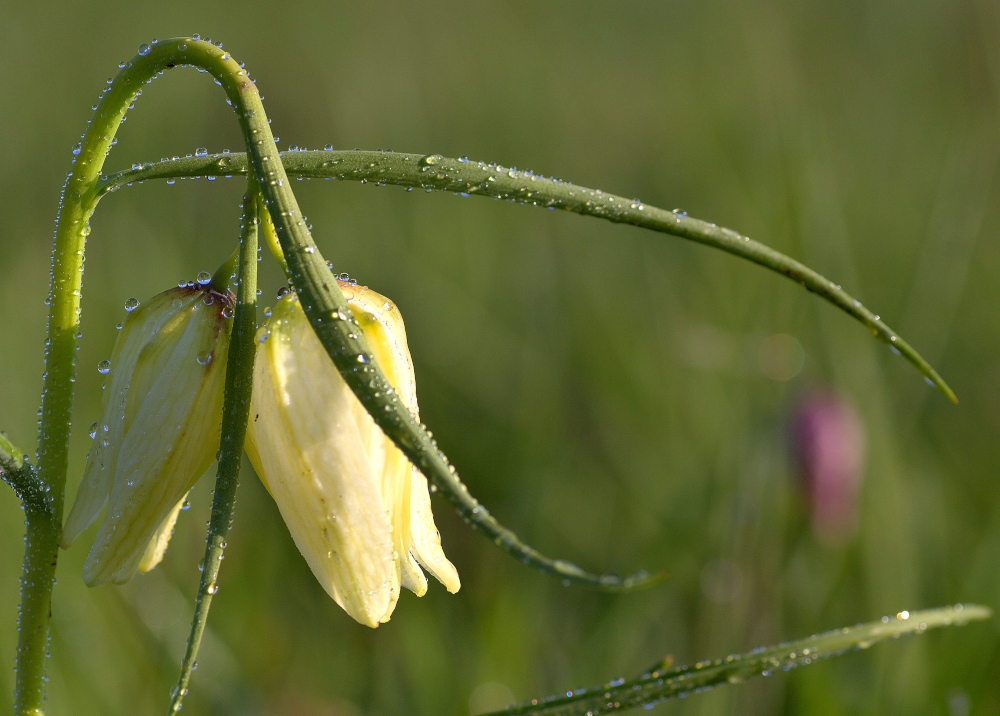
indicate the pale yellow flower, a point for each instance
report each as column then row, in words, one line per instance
column 162, row 412
column 357, row 510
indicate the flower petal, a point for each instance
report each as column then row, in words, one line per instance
column 173, row 416
column 311, row 455
column 426, row 545
column 137, row 330
column 161, row 538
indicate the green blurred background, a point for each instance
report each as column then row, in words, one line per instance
column 858, row 137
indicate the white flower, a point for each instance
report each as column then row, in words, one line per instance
column 357, row 510
column 162, row 412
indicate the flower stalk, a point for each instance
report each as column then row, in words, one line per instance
column 235, row 411
column 80, row 197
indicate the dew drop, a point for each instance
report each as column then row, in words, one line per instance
column 131, row 304
column 144, row 49
column 204, row 278
column 104, row 367
column 201, row 152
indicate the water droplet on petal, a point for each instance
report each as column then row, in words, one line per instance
column 131, row 304
column 104, row 367
column 204, row 278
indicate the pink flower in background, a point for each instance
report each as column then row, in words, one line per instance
column 829, row 439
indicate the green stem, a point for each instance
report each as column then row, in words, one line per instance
column 80, row 196
column 235, row 411
column 40, row 549
column 433, row 171
column 43, row 528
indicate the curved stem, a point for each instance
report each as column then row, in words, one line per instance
column 235, row 411
column 80, row 196
column 465, row 177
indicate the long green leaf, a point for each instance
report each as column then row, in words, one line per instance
column 664, row 683
column 432, row 171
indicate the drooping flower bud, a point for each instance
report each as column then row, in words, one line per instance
column 162, row 413
column 358, row 511
column 829, row 439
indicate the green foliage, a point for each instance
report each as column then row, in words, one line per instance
column 858, row 139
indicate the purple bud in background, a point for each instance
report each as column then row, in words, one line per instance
column 829, row 439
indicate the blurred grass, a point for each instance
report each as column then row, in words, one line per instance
column 858, row 137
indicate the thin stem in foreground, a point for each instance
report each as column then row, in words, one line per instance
column 235, row 412
column 465, row 177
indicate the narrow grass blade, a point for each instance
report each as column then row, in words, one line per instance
column 658, row 685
